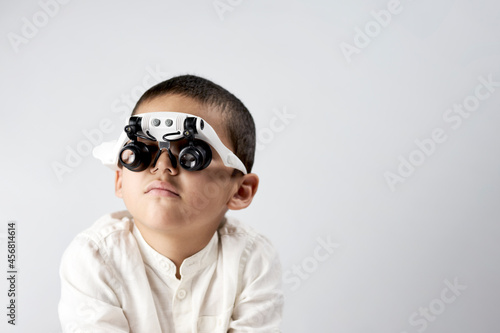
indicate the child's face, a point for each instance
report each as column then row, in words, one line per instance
column 162, row 198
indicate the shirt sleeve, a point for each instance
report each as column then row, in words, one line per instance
column 259, row 306
column 88, row 302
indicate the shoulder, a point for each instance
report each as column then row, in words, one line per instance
column 109, row 231
column 256, row 261
column 108, row 226
column 237, row 237
column 233, row 229
column 98, row 263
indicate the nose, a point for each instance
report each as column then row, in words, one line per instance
column 165, row 162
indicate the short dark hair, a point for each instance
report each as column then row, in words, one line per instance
column 238, row 120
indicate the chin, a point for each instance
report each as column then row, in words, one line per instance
column 164, row 218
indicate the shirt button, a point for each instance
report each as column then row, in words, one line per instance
column 181, row 294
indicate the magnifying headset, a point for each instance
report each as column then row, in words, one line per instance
column 164, row 128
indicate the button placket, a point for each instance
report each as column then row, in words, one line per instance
column 181, row 294
column 182, row 306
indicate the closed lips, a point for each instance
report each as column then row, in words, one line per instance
column 158, row 186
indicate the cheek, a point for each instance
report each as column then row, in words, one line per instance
column 211, row 187
column 130, row 186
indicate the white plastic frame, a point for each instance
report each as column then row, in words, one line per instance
column 108, row 152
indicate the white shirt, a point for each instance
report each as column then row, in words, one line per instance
column 113, row 281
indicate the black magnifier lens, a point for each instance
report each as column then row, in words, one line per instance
column 189, row 160
column 135, row 156
column 196, row 156
column 127, row 156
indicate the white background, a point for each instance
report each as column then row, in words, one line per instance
column 322, row 169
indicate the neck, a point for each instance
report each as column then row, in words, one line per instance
column 176, row 245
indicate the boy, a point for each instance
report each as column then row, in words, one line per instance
column 173, row 262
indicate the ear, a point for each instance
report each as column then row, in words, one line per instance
column 243, row 196
column 118, row 183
